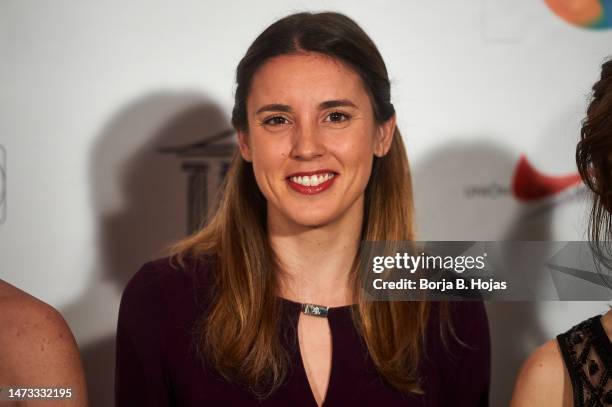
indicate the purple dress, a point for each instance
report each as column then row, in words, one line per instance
column 156, row 363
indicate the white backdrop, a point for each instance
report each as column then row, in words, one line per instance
column 88, row 90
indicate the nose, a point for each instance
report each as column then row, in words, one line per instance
column 307, row 142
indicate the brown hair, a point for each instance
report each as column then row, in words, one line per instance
column 594, row 160
column 239, row 335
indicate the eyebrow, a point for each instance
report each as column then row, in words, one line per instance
column 278, row 107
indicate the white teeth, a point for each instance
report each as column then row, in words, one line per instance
column 313, row 180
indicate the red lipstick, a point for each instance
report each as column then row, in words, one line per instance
column 312, row 189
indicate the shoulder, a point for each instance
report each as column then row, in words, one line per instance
column 35, row 341
column 167, row 274
column 158, row 307
column 464, row 321
column 164, row 280
column 543, row 379
column 27, row 320
column 459, row 335
column 468, row 316
column 147, row 278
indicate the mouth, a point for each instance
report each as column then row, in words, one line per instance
column 313, row 182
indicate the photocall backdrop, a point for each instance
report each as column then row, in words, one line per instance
column 114, row 120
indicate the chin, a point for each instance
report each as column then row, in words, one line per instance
column 313, row 220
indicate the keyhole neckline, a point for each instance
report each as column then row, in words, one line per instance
column 337, row 318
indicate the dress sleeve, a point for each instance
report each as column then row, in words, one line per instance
column 139, row 371
column 467, row 382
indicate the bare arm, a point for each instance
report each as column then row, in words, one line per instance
column 37, row 348
column 543, row 380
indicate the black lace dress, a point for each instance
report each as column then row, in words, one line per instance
column 587, row 354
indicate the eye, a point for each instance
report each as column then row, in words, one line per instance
column 275, row 121
column 337, row 117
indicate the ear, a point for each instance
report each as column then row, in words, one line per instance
column 384, row 137
column 243, row 143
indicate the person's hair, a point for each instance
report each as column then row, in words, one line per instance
column 594, row 160
column 239, row 334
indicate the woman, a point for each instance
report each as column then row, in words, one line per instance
column 321, row 167
column 38, row 351
column 573, row 369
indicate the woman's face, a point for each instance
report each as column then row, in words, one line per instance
column 311, row 138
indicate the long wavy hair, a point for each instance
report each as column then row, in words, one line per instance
column 594, row 161
column 239, row 334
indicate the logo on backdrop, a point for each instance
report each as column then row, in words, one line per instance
column 590, row 14
column 2, row 184
column 527, row 185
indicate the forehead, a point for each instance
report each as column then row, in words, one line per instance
column 303, row 78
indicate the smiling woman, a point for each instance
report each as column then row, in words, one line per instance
column 262, row 306
column 323, row 135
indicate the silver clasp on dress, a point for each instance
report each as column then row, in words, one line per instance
column 315, row 310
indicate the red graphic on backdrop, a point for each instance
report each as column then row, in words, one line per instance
column 529, row 184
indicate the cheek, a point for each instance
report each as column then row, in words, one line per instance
column 356, row 151
column 268, row 158
column 357, row 159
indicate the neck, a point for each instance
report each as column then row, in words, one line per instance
column 316, row 261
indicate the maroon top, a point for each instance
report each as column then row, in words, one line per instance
column 156, row 364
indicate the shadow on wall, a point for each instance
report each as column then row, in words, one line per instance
column 139, row 199
column 462, row 192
